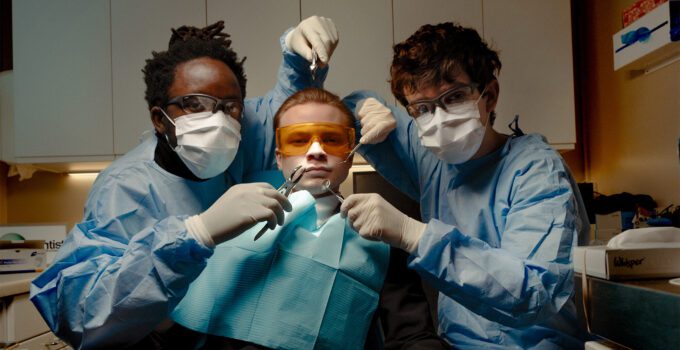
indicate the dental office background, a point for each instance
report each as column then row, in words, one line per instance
column 84, row 106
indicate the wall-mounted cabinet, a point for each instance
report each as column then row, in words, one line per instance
column 410, row 15
column 79, row 90
column 255, row 28
column 536, row 80
column 537, row 77
column 361, row 60
column 62, row 80
column 137, row 28
column 6, row 113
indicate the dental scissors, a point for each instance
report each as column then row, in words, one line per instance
column 286, row 189
column 351, row 153
column 327, row 187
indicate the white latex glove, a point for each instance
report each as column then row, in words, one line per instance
column 376, row 219
column 376, row 120
column 314, row 33
column 239, row 209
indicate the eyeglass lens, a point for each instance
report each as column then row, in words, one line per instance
column 448, row 99
column 200, row 103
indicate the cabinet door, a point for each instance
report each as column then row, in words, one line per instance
column 137, row 29
column 19, row 319
column 6, row 116
column 410, row 15
column 62, row 80
column 362, row 58
column 255, row 28
column 46, row 341
column 537, row 78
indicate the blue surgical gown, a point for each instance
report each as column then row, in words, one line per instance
column 499, row 237
column 122, row 270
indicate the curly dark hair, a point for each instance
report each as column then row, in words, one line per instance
column 188, row 43
column 435, row 54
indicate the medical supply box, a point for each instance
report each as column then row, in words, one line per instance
column 52, row 234
column 622, row 264
column 22, row 256
column 651, row 39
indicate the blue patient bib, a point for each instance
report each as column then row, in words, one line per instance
column 297, row 287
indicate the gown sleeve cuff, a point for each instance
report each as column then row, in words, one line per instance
column 436, row 241
column 198, row 231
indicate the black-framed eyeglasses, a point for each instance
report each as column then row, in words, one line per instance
column 448, row 99
column 197, row 103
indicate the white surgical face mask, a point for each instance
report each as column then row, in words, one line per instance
column 206, row 142
column 453, row 136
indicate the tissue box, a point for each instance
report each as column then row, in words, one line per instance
column 639, row 9
column 651, row 39
column 621, row 264
column 22, row 256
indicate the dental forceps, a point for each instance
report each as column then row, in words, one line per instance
column 315, row 65
column 286, row 189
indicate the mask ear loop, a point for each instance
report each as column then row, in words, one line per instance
column 168, row 117
column 488, row 118
column 166, row 132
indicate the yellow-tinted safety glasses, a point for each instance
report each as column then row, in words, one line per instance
column 295, row 139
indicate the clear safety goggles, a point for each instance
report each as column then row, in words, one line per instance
column 197, row 103
column 295, row 139
column 448, row 100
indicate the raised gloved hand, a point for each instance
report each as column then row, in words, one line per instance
column 376, row 120
column 376, row 219
column 239, row 209
column 316, row 34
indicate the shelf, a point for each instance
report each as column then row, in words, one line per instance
column 651, row 42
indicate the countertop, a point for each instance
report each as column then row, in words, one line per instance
column 15, row 283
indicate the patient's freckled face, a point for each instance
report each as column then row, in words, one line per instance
column 319, row 164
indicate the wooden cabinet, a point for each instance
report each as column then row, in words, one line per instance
column 21, row 326
column 62, row 80
column 537, row 77
column 533, row 38
column 255, row 28
column 6, row 113
column 410, row 15
column 19, row 319
column 137, row 28
column 79, row 87
column 362, row 58
column 79, row 91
